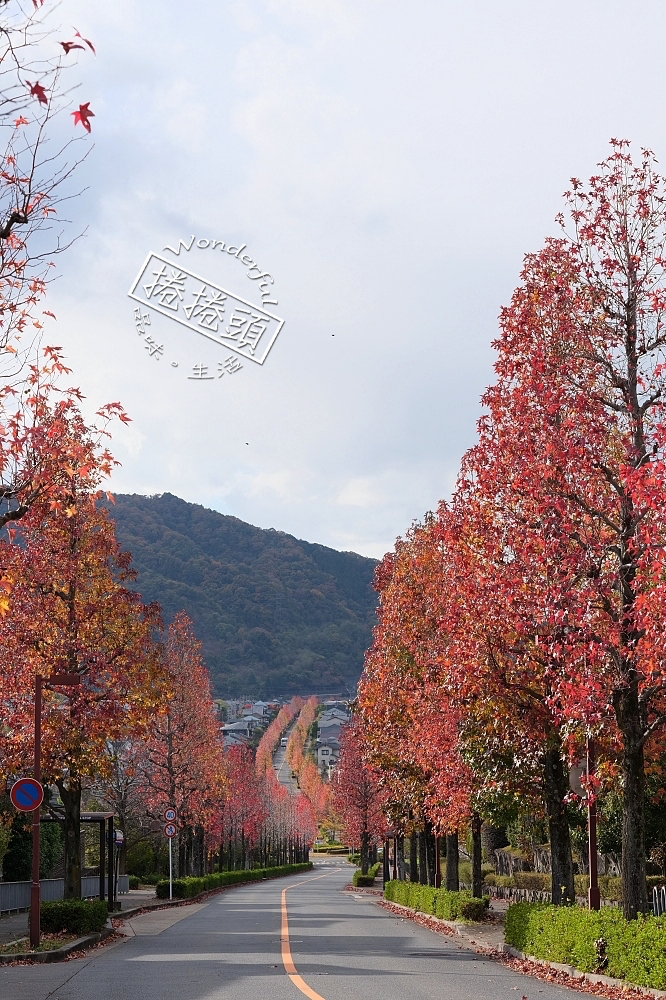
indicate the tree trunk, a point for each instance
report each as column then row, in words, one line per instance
column 452, row 880
column 477, row 875
column 70, row 793
column 634, row 888
column 430, row 844
column 413, row 866
column 400, row 857
column 556, row 787
column 365, row 843
column 423, row 860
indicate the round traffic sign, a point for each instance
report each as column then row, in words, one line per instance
column 27, row 794
column 170, row 830
column 170, row 815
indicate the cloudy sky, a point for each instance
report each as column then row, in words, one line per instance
column 388, row 164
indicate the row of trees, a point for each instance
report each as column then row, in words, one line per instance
column 301, row 759
column 526, row 615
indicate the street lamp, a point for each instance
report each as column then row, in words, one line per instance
column 60, row 680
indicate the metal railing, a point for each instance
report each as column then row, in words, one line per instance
column 659, row 900
column 16, row 895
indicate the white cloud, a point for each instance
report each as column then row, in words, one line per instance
column 389, row 164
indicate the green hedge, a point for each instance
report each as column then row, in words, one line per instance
column 366, row 880
column 501, row 880
column 184, row 888
column 438, row 902
column 593, row 941
column 76, row 916
column 133, row 881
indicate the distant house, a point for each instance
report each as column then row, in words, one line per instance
column 234, row 740
column 335, row 713
column 328, row 753
column 330, row 729
column 241, row 728
column 258, row 708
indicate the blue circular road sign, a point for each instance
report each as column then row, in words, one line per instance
column 26, row 794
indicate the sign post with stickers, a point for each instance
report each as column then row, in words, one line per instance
column 170, row 831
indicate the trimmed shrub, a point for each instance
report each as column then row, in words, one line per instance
column 366, row 881
column 76, row 916
column 593, row 941
column 472, row 909
column 539, row 881
column 185, row 888
column 134, row 881
column 502, row 880
column 437, row 902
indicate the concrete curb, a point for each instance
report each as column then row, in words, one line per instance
column 58, row 954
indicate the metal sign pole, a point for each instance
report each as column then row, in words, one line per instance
column 170, row 873
column 35, row 887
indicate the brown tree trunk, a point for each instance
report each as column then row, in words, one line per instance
column 400, row 857
column 70, row 793
column 365, row 844
column 477, row 875
column 452, row 860
column 423, row 860
column 413, row 863
column 430, row 843
column 556, row 787
column 634, row 887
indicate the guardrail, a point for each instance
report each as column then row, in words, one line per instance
column 16, row 895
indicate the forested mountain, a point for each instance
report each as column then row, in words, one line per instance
column 275, row 615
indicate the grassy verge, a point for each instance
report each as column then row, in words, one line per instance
column 49, row 942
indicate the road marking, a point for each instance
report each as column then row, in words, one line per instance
column 287, row 961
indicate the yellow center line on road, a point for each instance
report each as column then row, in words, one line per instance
column 287, row 960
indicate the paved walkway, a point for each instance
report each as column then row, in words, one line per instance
column 15, row 925
column 278, row 940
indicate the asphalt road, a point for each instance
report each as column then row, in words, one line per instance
column 282, row 768
column 341, row 946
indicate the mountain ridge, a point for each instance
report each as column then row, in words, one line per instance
column 276, row 615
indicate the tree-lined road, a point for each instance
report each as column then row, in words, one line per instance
column 343, row 947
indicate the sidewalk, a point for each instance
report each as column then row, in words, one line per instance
column 15, row 925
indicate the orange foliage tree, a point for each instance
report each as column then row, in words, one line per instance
column 181, row 763
column 70, row 611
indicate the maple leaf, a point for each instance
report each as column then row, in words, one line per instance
column 20, row 121
column 47, row 312
column 68, row 46
column 83, row 115
column 86, row 40
column 37, row 91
